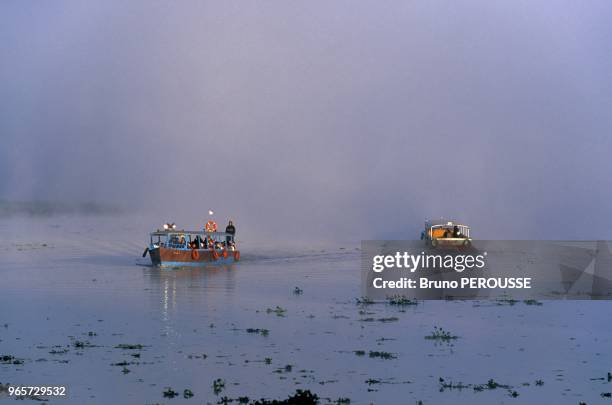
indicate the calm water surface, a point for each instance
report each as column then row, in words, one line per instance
column 73, row 289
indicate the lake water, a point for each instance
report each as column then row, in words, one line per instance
column 73, row 289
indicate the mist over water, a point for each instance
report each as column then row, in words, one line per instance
column 319, row 120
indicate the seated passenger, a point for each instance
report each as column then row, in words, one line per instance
column 197, row 242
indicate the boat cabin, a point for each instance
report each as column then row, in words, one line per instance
column 187, row 240
column 446, row 232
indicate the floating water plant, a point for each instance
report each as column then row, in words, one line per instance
column 8, row 359
column 169, row 393
column 301, row 397
column 491, row 385
column 506, row 301
column 401, row 301
column 441, row 334
column 364, row 301
column 82, row 344
column 279, row 311
column 382, row 355
column 262, row 332
column 451, row 385
column 218, row 386
column 129, row 346
column 389, row 319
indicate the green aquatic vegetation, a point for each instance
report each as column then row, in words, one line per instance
column 505, row 300
column 218, row 386
column 400, row 300
column 8, row 359
column 82, row 344
column 374, row 381
column 301, row 397
column 169, row 393
column 287, row 369
column 382, row 355
column 451, row 385
column 279, row 311
column 491, row 385
column 262, row 332
column 441, row 334
column 129, row 346
column 364, row 301
column 388, row 319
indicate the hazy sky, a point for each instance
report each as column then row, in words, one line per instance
column 344, row 119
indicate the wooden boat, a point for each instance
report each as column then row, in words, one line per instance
column 445, row 233
column 170, row 247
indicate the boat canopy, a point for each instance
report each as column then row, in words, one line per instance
column 183, row 232
column 437, row 228
column 181, row 239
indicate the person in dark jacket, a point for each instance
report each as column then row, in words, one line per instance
column 456, row 232
column 231, row 231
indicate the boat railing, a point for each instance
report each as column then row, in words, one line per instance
column 174, row 239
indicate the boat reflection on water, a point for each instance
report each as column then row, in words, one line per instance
column 188, row 289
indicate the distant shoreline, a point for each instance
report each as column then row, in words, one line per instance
column 52, row 208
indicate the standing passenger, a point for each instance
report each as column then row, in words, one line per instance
column 231, row 231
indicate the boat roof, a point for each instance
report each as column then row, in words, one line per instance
column 442, row 222
column 184, row 232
